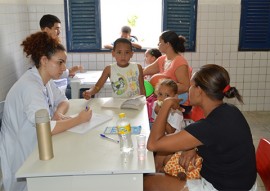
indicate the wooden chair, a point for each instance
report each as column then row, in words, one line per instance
column 263, row 162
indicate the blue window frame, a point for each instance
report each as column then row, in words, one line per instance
column 255, row 25
column 83, row 27
column 180, row 16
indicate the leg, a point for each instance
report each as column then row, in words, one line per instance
column 162, row 182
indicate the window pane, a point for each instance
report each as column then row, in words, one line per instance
column 146, row 14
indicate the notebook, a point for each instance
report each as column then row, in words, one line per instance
column 125, row 103
column 97, row 119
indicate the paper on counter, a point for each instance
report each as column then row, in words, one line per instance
column 97, row 119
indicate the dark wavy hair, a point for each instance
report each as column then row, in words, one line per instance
column 213, row 79
column 48, row 21
column 154, row 52
column 177, row 42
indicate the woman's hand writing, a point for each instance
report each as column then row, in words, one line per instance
column 85, row 115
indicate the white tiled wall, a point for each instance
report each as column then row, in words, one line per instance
column 217, row 42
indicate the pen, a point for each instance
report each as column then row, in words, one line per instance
column 114, row 140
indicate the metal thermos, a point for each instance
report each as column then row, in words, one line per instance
column 44, row 135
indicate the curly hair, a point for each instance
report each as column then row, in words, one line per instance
column 41, row 44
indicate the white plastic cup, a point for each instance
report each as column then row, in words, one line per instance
column 141, row 154
column 141, row 141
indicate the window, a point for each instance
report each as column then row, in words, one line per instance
column 85, row 25
column 255, row 25
column 144, row 20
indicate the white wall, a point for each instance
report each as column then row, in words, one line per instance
column 217, row 42
column 14, row 26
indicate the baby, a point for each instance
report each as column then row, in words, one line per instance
column 170, row 163
column 168, row 88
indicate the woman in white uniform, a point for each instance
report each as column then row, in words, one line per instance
column 35, row 90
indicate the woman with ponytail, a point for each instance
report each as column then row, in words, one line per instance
column 223, row 139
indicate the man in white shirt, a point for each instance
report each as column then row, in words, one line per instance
column 52, row 25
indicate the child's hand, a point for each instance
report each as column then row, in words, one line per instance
column 174, row 103
column 86, row 94
column 159, row 103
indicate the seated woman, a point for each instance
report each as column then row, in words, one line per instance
column 34, row 90
column 223, row 139
column 172, row 64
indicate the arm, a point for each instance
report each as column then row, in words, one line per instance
column 158, row 141
column 64, row 125
column 136, row 45
column 182, row 75
column 157, row 108
column 141, row 80
column 151, row 69
column 103, row 78
column 108, row 46
column 60, row 111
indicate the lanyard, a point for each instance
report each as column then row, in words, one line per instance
column 48, row 100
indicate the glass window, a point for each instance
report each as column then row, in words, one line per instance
column 90, row 24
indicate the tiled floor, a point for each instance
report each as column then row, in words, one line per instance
column 260, row 127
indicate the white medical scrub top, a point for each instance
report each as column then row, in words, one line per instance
column 62, row 82
column 18, row 132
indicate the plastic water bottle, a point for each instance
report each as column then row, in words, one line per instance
column 124, row 133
